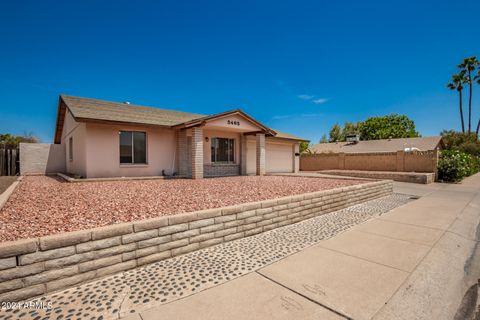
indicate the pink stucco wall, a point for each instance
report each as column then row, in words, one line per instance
column 103, row 152
column 96, row 151
column 77, row 131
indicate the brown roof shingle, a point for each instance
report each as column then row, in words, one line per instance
column 93, row 109
column 87, row 109
column 284, row 135
column 384, row 145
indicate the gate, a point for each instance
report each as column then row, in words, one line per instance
column 9, row 161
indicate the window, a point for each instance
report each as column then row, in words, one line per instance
column 133, row 147
column 70, row 148
column 223, row 150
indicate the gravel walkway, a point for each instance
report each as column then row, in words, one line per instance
column 44, row 205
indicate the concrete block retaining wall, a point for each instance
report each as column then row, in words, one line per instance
column 33, row 267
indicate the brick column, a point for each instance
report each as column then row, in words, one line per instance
column 296, row 159
column 260, row 154
column 243, row 155
column 197, row 153
column 181, row 153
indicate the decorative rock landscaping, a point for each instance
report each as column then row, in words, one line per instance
column 42, row 206
column 171, row 279
column 56, row 262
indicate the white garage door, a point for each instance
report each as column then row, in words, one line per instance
column 279, row 157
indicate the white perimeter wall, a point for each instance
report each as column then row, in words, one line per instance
column 41, row 158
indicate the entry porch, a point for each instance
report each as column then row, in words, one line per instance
column 232, row 144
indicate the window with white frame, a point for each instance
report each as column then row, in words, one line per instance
column 133, row 147
column 223, row 150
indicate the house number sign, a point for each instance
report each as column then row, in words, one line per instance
column 233, row 122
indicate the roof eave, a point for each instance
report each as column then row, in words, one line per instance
column 291, row 139
column 62, row 106
column 126, row 123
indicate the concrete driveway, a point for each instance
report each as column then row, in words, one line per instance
column 414, row 262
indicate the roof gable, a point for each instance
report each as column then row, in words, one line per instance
column 214, row 119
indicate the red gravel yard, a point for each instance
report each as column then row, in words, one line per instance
column 45, row 205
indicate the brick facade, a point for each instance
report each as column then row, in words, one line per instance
column 221, row 170
column 260, row 154
column 197, row 153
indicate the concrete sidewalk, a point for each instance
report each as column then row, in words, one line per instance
column 414, row 262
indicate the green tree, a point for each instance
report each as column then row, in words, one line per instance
column 323, row 139
column 458, row 80
column 350, row 128
column 468, row 66
column 304, row 146
column 460, row 141
column 335, row 133
column 390, row 126
column 12, row 141
column 477, row 79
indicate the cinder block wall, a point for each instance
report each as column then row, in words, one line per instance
column 423, row 161
column 33, row 267
column 42, row 158
column 221, row 170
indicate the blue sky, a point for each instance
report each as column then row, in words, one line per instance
column 297, row 66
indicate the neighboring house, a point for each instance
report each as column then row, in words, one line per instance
column 109, row 139
column 383, row 145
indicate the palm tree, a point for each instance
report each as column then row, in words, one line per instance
column 477, row 79
column 457, row 84
column 468, row 66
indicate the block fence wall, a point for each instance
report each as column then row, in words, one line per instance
column 33, row 267
column 42, row 158
column 400, row 161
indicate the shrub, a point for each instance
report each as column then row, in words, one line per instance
column 465, row 142
column 454, row 165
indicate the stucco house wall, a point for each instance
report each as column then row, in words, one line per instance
column 89, row 130
column 78, row 132
column 251, row 155
column 103, row 151
column 96, row 151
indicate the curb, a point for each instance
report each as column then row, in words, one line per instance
column 7, row 193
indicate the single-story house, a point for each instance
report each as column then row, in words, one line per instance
column 111, row 139
column 384, row 145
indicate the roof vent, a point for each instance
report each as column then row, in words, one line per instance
column 353, row 138
column 127, row 102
